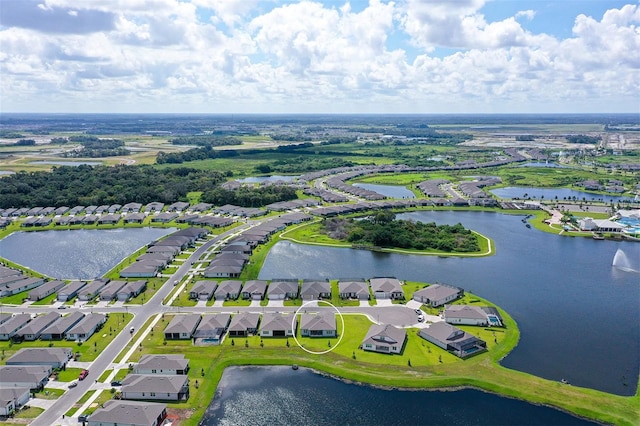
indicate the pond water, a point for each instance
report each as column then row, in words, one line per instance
column 574, row 309
column 510, row 192
column 260, row 179
column 6, row 172
column 76, row 254
column 68, row 163
column 281, row 396
column 392, row 191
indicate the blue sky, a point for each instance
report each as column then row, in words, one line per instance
column 314, row 56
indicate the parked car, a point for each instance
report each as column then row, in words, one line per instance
column 62, row 307
column 418, row 311
column 116, row 383
column 420, row 318
column 73, row 385
column 83, row 374
column 83, row 418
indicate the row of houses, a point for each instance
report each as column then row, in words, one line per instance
column 13, row 281
column 75, row 326
column 211, row 329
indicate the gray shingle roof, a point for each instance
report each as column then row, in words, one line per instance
column 128, row 412
column 319, row 321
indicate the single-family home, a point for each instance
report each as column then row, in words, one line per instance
column 129, row 413
column 314, row 290
column 20, row 285
column 182, row 327
column 58, row 329
column 280, row 290
column 222, row 271
column 384, row 338
column 84, row 329
column 45, row 290
column 155, row 206
column 93, row 289
column 156, row 387
column 110, row 291
column 386, row 288
column 131, row 289
column 203, row 290
column 70, row 291
column 254, row 289
column 33, row 377
column 178, row 206
column 165, row 364
column 9, row 328
column 322, row 324
column 135, row 218
column 228, row 290
column 358, row 290
column 212, row 328
column 484, row 316
column 275, row 324
column 452, row 339
column 437, row 294
column 141, row 269
column 131, row 207
column 244, row 324
column 51, row 357
column 31, row 331
column 12, row 399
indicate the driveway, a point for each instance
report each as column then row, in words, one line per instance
column 276, row 303
column 255, row 303
column 384, row 302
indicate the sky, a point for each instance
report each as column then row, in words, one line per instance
column 320, row 56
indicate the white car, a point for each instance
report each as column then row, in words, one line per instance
column 420, row 318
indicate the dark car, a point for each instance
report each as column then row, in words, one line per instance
column 116, row 383
column 83, row 418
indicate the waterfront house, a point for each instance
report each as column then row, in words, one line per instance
column 384, row 338
column 228, row 290
column 58, row 329
column 12, row 399
column 51, row 357
column 31, row 331
column 222, row 271
column 165, row 217
column 386, row 288
column 84, row 329
column 142, row 269
column 109, row 219
column 163, row 364
column 45, row 290
column 9, row 328
column 212, row 328
column 155, row 387
column 278, row 325
column 484, row 316
column 244, row 324
column 437, row 294
column 33, row 377
column 134, row 218
column 182, row 327
column 280, row 290
column 452, row 339
column 203, row 290
column 129, row 413
column 358, row 290
column 70, row 291
column 322, row 324
column 20, row 285
column 314, row 290
column 254, row 289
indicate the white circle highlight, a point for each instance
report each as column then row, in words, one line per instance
column 294, row 328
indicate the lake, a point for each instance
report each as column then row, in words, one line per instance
column 282, row 396
column 579, row 316
column 392, row 191
column 76, row 254
column 549, row 194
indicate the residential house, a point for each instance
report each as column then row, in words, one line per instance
column 452, row 339
column 31, row 331
column 129, row 413
column 314, row 290
column 354, row 290
column 164, row 364
column 254, row 289
column 203, row 290
column 153, row 207
column 51, row 357
column 155, row 387
column 93, row 289
column 322, row 324
column 384, row 338
column 386, row 288
column 84, row 329
column 244, row 324
column 131, row 289
column 45, row 290
column 110, row 291
column 33, row 377
column 58, row 329
column 437, row 294
column 281, row 290
column 12, row 399
column 135, row 218
column 182, row 327
column 212, row 328
column 228, row 290
column 9, row 328
column 484, row 316
column 18, row 286
column 70, row 291
column 131, row 208
column 178, row 206
column 275, row 324
column 142, row 269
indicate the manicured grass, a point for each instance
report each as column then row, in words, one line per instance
column 79, row 403
column 27, row 413
column 237, row 302
column 49, row 393
column 46, row 301
column 69, row 374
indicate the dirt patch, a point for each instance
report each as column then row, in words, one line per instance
column 177, row 415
